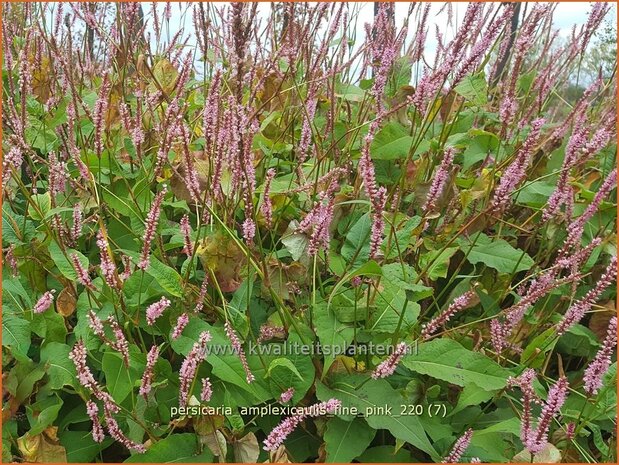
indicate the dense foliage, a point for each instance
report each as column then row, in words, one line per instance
column 266, row 208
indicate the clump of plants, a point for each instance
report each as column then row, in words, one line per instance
column 249, row 233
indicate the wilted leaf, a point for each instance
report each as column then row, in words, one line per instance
column 221, row 254
column 42, row 448
column 166, row 76
column 65, row 303
column 216, row 442
column 279, row 456
column 246, row 449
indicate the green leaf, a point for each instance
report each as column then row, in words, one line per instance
column 28, row 376
column 15, row 333
column 50, row 326
column 385, row 454
column 534, row 354
column 349, row 92
column 176, row 448
column 437, row 262
column 345, row 440
column 40, row 206
column 388, row 304
column 403, row 275
column 58, row 366
column 15, row 299
column 118, row 379
column 301, row 380
column 168, row 278
column 497, row 254
column 63, row 263
column 471, row 395
column 80, row 446
column 283, row 364
column 295, row 243
column 399, row 242
column 12, row 225
column 391, row 143
column 46, row 414
column 332, row 333
column 357, row 244
column 369, row 397
column 474, row 89
column 449, row 361
column 370, row 268
column 535, row 193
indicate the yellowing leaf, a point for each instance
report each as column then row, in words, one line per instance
column 165, row 75
column 65, row 303
column 221, row 254
column 246, row 449
column 42, row 448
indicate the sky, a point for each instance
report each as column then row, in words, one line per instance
column 566, row 15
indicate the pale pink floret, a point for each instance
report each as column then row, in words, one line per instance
column 151, row 227
column 147, row 377
column 440, row 180
column 458, row 304
column 388, row 366
column 459, row 447
column 286, row 396
column 267, row 206
column 538, row 438
column 155, row 310
column 120, row 344
column 207, row 390
column 189, row 367
column 598, row 368
column 82, row 273
column 279, row 434
column 181, row 322
column 238, row 350
column 578, row 309
column 186, row 231
column 44, row 302
column 97, row 430
column 535, row 439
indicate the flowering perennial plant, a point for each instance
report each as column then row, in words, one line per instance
column 308, row 232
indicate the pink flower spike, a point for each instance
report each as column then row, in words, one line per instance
column 267, row 207
column 279, row 434
column 601, row 363
column 238, row 350
column 388, row 366
column 181, row 322
column 440, row 180
column 202, row 295
column 155, row 310
column 121, row 344
column 286, row 396
column 151, row 227
column 207, row 390
column 186, row 231
column 458, row 304
column 44, row 302
column 189, row 367
column 97, row 430
column 82, row 273
column 459, row 447
column 147, row 377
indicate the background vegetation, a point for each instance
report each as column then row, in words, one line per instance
column 266, row 176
